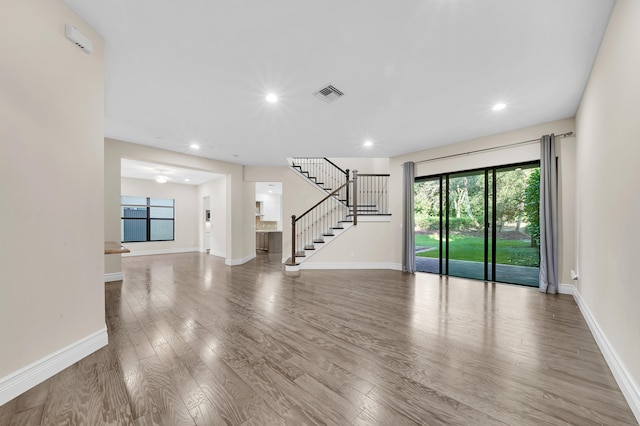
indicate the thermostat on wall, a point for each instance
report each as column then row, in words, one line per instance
column 74, row 34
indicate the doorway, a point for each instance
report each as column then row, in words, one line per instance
column 268, row 217
column 480, row 224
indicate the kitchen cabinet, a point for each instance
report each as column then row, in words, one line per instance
column 270, row 241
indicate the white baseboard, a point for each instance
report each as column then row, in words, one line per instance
column 161, row 251
column 566, row 288
column 24, row 379
column 627, row 384
column 352, row 265
column 114, row 276
column 235, row 262
column 217, row 253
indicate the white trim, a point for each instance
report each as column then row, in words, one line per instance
column 24, row 379
column 217, row 253
column 373, row 218
column 623, row 377
column 114, row 276
column 566, row 288
column 291, row 268
column 235, row 262
column 352, row 265
column 161, row 251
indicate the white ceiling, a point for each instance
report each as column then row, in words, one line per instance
column 274, row 188
column 415, row 73
column 149, row 171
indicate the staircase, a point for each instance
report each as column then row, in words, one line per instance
column 349, row 195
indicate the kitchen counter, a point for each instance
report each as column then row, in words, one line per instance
column 111, row 247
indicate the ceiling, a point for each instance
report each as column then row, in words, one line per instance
column 274, row 188
column 415, row 74
column 149, row 171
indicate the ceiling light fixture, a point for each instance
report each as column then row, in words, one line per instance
column 368, row 143
column 187, row 180
column 499, row 106
column 161, row 179
column 194, row 146
column 271, row 97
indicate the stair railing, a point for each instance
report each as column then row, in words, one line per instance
column 323, row 172
column 373, row 194
column 319, row 221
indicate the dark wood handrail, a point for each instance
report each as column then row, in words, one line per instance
column 322, row 201
column 374, row 175
column 334, row 165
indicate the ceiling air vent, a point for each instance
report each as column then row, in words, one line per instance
column 328, row 94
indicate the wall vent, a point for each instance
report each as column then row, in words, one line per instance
column 328, row 94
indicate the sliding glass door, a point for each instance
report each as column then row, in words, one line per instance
column 465, row 223
column 479, row 224
column 428, row 219
column 517, row 255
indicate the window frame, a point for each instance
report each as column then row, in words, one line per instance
column 148, row 219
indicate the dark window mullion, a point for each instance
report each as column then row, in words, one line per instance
column 446, row 224
column 494, row 218
column 440, row 229
column 486, row 225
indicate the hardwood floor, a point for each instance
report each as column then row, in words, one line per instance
column 192, row 341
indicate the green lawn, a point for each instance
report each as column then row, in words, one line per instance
column 461, row 247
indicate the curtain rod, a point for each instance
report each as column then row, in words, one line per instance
column 495, row 148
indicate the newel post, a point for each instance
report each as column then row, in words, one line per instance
column 293, row 239
column 347, row 175
column 355, row 197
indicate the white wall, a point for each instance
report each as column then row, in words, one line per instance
column 271, row 208
column 608, row 199
column 187, row 215
column 363, row 165
column 216, row 190
column 112, row 182
column 364, row 246
column 51, row 177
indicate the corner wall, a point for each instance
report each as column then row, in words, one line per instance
column 52, row 311
column 216, row 190
column 608, row 200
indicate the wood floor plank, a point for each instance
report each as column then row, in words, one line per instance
column 193, row 341
column 170, row 407
column 139, row 396
column 29, row 417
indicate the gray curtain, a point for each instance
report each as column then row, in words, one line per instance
column 408, row 236
column 548, row 215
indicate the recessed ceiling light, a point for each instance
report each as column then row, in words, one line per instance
column 161, row 179
column 499, row 106
column 368, row 143
column 271, row 97
column 187, row 180
column 194, row 146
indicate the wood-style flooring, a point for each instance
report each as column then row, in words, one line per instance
column 192, row 341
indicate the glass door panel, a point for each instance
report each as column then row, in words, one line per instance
column 427, row 208
column 465, row 223
column 517, row 258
